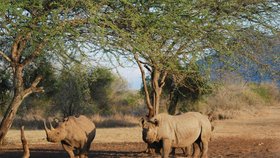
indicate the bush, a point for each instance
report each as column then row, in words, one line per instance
column 269, row 92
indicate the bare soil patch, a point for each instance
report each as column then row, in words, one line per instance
column 219, row 148
column 248, row 137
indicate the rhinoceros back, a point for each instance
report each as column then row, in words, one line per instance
column 81, row 129
column 85, row 124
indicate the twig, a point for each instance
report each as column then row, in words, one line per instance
column 5, row 56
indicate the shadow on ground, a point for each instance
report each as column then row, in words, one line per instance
column 219, row 147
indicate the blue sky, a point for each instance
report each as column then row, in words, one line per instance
column 132, row 75
column 130, row 71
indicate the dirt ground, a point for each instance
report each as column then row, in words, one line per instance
column 246, row 137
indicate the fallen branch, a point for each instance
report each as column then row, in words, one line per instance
column 26, row 152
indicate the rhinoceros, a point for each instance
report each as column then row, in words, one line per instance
column 178, row 131
column 74, row 133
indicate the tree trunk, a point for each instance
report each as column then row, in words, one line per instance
column 156, row 100
column 19, row 94
column 145, row 86
column 15, row 103
column 173, row 104
column 157, row 82
column 9, row 116
column 157, row 89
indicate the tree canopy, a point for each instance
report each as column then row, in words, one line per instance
column 31, row 30
column 158, row 35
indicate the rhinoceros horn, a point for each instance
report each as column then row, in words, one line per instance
column 51, row 126
column 46, row 128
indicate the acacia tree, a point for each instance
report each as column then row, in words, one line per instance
column 185, row 88
column 31, row 29
column 159, row 34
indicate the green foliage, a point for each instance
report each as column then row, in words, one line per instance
column 268, row 92
column 58, row 29
column 77, row 90
column 5, row 88
column 186, row 91
column 100, row 85
column 165, row 32
column 128, row 103
column 131, row 99
column 33, row 30
column 73, row 93
column 45, row 68
column 182, row 90
column 39, row 102
column 160, row 35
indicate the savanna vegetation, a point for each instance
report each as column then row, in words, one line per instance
column 60, row 47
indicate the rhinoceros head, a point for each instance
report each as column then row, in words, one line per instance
column 55, row 134
column 149, row 130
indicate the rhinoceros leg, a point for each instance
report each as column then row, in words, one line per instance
column 84, row 152
column 196, row 148
column 166, row 148
column 204, row 148
column 205, row 138
column 154, row 148
column 187, row 151
column 173, row 151
column 83, row 156
column 69, row 150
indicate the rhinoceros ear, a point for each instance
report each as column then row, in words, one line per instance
column 142, row 121
column 156, row 122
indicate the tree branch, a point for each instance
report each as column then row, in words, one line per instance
column 148, row 101
column 18, row 46
column 162, row 81
column 142, row 62
column 5, row 57
column 147, row 67
column 35, row 54
column 22, row 42
column 33, row 87
column 14, row 50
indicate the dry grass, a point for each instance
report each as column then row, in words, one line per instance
column 266, row 125
column 117, row 120
column 118, row 135
column 103, row 135
column 237, row 100
column 113, row 128
column 32, row 136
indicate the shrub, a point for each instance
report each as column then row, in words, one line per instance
column 269, row 92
